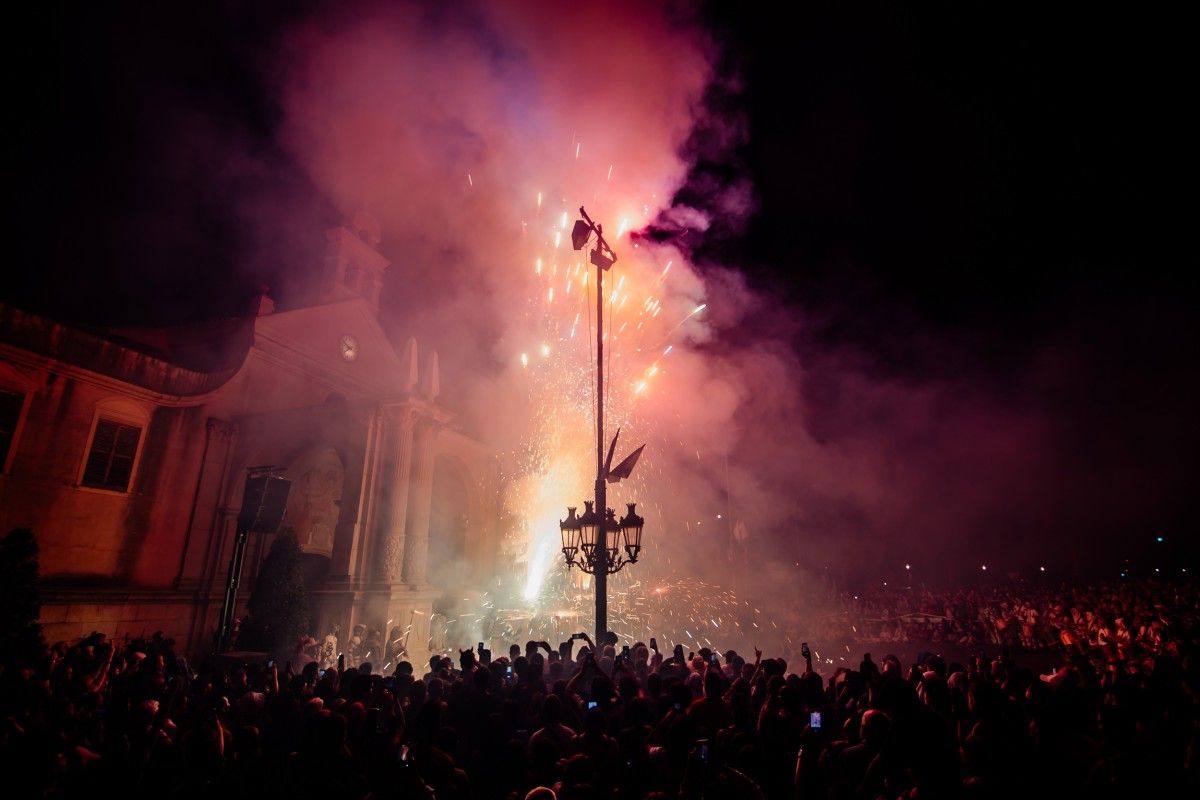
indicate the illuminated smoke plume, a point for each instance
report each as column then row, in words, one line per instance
column 474, row 140
column 474, row 136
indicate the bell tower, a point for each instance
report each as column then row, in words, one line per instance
column 353, row 265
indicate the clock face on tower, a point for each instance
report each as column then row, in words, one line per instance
column 349, row 347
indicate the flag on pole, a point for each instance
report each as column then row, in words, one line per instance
column 624, row 469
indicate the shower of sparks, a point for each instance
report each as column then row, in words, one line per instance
column 682, row 611
column 556, row 467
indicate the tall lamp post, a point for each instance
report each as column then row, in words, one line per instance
column 592, row 541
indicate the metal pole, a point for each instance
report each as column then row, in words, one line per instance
column 231, row 587
column 601, row 494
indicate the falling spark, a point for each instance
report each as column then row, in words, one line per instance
column 552, row 468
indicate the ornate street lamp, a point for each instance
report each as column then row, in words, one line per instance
column 612, row 537
column 569, row 528
column 631, row 530
column 589, row 525
column 593, row 541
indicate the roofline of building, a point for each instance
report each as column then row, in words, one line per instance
column 40, row 342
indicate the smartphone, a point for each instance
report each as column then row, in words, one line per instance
column 713, row 660
column 509, row 670
column 625, row 650
column 479, row 647
column 321, row 673
column 592, row 704
column 653, row 644
column 814, row 720
column 804, row 651
column 404, row 755
column 679, row 706
column 271, row 664
column 702, row 751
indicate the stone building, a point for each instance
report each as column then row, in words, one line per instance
column 126, row 452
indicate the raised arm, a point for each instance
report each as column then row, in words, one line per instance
column 96, row 681
column 577, row 678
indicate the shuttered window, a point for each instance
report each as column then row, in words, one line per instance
column 110, row 462
column 10, row 415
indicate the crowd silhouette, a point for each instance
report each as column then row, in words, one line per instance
column 1128, row 615
column 1119, row 714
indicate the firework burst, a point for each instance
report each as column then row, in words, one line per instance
column 554, row 467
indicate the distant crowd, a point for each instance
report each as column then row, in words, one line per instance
column 1118, row 717
column 1126, row 616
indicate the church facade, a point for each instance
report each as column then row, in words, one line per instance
column 126, row 453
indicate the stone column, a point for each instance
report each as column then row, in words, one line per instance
column 421, row 497
column 399, row 443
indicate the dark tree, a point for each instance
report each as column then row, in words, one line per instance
column 278, row 603
column 20, row 633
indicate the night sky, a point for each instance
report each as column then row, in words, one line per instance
column 960, row 192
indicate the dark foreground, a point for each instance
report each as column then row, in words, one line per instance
column 95, row 720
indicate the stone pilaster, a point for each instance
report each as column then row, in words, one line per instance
column 420, row 499
column 399, row 438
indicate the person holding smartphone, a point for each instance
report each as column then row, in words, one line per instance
column 710, row 713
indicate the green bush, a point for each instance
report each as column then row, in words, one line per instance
column 20, row 633
column 278, row 602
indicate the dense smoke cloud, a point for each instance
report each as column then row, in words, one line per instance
column 468, row 134
column 992, row 362
column 448, row 126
